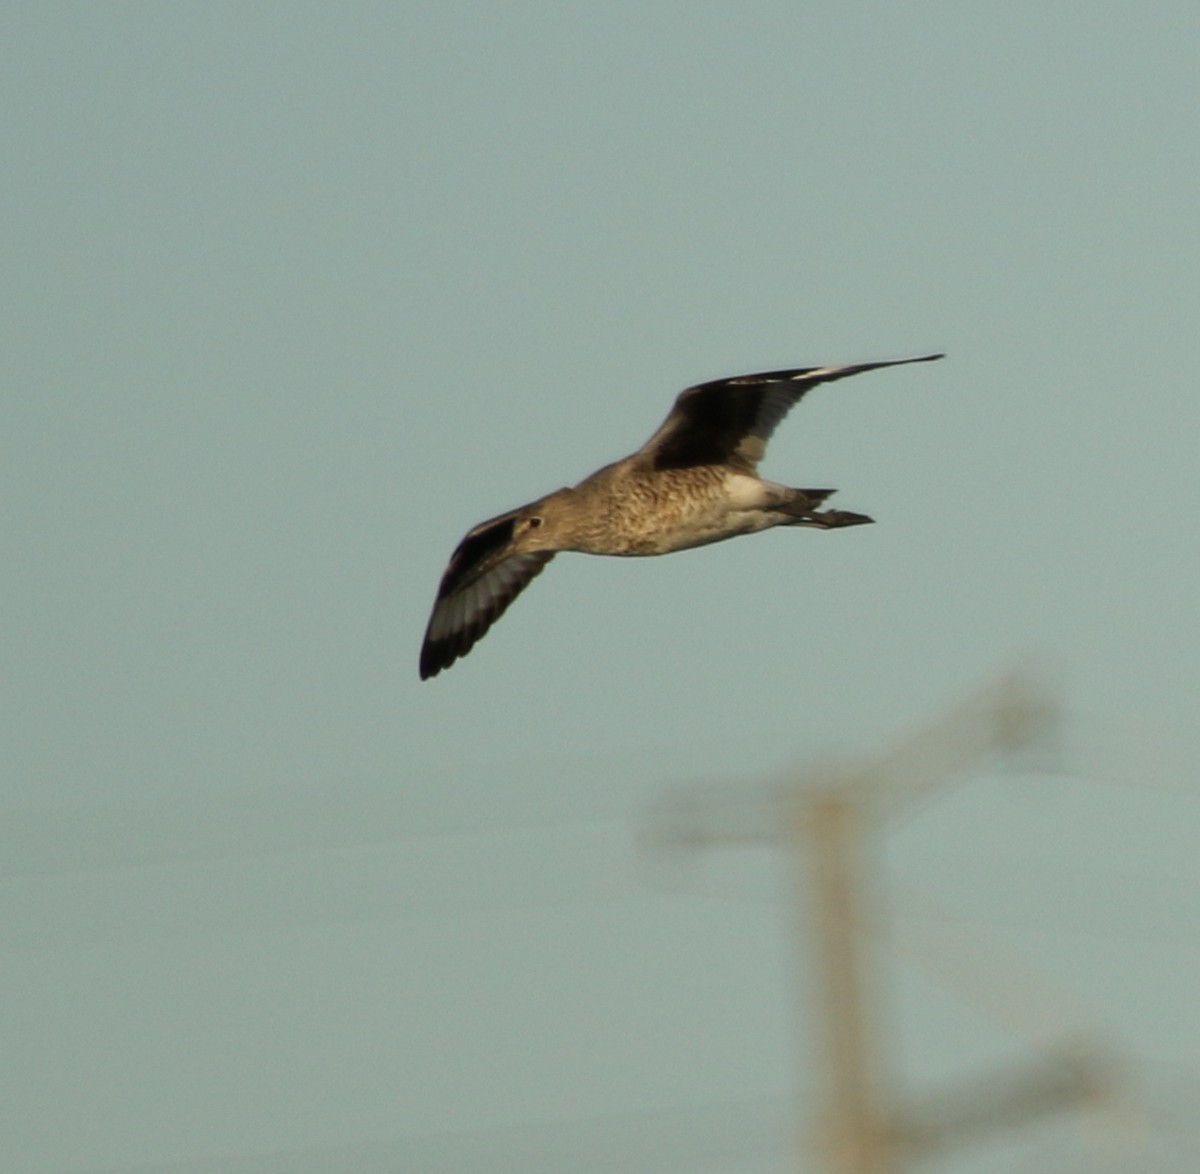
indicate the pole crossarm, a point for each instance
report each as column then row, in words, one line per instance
column 1077, row 1078
column 1011, row 714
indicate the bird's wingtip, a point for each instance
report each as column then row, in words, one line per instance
column 432, row 663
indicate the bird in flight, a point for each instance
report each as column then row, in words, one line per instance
column 695, row 481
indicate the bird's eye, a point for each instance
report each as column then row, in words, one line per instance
column 534, row 522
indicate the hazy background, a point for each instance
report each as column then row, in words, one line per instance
column 294, row 294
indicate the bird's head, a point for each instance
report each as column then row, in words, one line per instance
column 545, row 524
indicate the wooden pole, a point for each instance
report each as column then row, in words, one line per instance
column 854, row 1133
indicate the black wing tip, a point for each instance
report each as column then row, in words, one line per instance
column 829, row 374
column 855, row 368
column 433, row 660
column 820, row 374
column 439, row 655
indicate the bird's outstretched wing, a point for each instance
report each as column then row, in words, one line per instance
column 731, row 420
column 485, row 575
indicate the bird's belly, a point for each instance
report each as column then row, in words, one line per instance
column 679, row 510
column 700, row 526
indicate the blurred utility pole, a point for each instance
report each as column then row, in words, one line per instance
column 827, row 827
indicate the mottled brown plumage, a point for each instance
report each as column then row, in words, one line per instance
column 693, row 482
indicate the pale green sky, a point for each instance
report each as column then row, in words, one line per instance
column 296, row 293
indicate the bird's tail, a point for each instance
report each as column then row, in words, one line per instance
column 816, row 496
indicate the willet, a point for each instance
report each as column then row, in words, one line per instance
column 693, row 482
